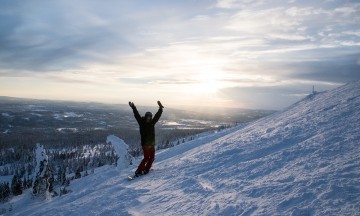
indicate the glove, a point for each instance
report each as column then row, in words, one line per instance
column 131, row 104
column 160, row 105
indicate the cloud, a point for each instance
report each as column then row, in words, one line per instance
column 238, row 4
column 47, row 36
column 272, row 96
column 158, row 81
column 172, row 45
column 333, row 68
column 258, row 22
column 103, row 33
column 269, row 97
column 342, row 69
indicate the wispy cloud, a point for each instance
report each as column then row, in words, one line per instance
column 171, row 46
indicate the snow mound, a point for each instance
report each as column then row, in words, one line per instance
column 304, row 160
column 122, row 151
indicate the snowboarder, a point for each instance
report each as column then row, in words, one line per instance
column 147, row 133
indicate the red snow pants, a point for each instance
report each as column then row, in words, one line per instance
column 149, row 157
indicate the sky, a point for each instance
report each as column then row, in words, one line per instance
column 254, row 54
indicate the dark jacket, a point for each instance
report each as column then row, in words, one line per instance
column 147, row 130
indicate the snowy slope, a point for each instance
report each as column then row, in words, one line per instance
column 302, row 161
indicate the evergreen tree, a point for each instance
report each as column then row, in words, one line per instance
column 24, row 183
column 29, row 182
column 16, row 185
column 77, row 174
column 62, row 175
column 4, row 191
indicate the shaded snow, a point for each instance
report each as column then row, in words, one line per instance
column 302, row 161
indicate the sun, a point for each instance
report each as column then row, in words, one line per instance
column 208, row 82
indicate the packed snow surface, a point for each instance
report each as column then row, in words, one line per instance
column 304, row 160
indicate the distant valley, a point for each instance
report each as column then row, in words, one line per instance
column 64, row 124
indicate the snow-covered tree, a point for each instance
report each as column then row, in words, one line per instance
column 122, row 151
column 43, row 182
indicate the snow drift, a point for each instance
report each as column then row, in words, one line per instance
column 302, row 161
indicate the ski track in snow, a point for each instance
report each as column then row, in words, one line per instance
column 304, row 160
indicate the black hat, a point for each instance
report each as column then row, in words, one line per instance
column 148, row 114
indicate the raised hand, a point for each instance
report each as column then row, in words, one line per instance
column 160, row 105
column 131, row 104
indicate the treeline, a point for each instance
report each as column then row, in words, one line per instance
column 17, row 186
column 19, row 157
column 68, row 162
column 63, row 165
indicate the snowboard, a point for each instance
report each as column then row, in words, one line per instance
column 132, row 177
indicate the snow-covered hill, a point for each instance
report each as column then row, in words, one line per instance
column 302, row 161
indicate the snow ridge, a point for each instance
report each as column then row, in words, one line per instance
column 304, row 160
